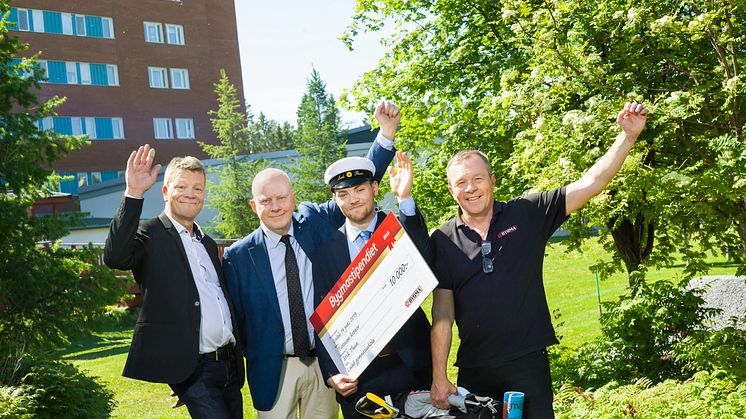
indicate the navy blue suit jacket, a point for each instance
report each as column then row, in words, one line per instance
column 248, row 275
column 412, row 342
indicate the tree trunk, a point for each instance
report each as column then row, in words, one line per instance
column 741, row 225
column 634, row 242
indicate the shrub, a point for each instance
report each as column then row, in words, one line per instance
column 55, row 389
column 714, row 350
column 655, row 331
column 705, row 395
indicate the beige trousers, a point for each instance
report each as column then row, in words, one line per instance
column 303, row 393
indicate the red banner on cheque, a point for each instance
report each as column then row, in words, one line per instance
column 355, row 276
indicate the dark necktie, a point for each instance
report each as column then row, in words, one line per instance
column 298, row 325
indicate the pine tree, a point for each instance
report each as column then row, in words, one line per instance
column 318, row 140
column 231, row 194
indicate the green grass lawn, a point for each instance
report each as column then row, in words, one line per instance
column 570, row 288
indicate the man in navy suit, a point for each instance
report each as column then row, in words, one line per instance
column 281, row 365
column 405, row 362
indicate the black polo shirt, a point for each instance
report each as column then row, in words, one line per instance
column 501, row 315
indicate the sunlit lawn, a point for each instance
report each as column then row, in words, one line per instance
column 570, row 287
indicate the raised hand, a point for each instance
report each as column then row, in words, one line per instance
column 402, row 177
column 141, row 174
column 387, row 115
column 632, row 119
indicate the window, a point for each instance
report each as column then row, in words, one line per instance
column 90, row 128
column 77, row 126
column 162, row 128
column 23, row 19
column 179, row 78
column 67, row 23
column 157, row 77
column 117, row 128
column 112, row 73
column 46, row 124
column 72, row 73
column 37, row 20
column 82, row 179
column 184, row 128
column 175, row 34
column 95, row 178
column 79, row 28
column 107, row 27
column 85, row 73
column 153, row 32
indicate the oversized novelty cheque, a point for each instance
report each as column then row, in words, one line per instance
column 374, row 297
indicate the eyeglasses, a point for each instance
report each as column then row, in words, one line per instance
column 487, row 265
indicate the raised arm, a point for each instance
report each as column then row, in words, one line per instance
column 381, row 152
column 122, row 249
column 632, row 120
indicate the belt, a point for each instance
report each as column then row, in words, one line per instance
column 311, row 354
column 220, row 354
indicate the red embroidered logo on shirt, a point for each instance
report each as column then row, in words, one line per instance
column 507, row 231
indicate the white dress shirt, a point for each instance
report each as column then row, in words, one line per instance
column 276, row 252
column 216, row 328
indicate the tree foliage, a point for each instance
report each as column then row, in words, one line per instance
column 269, row 135
column 231, row 194
column 44, row 293
column 318, row 141
column 536, row 86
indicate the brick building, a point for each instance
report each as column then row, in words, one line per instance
column 133, row 72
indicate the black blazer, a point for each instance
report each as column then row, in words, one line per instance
column 412, row 342
column 165, row 344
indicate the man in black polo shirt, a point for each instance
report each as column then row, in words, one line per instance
column 489, row 263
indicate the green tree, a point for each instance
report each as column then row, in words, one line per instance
column 231, row 194
column 44, row 293
column 536, row 85
column 269, row 135
column 318, row 140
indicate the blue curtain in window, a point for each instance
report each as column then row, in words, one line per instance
column 13, row 15
column 63, row 125
column 93, row 26
column 98, row 75
column 57, row 72
column 104, row 130
column 52, row 22
column 106, row 176
column 30, row 20
column 70, row 185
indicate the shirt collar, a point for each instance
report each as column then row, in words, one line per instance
column 198, row 234
column 497, row 208
column 352, row 232
column 272, row 238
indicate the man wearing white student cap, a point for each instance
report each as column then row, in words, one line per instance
column 404, row 364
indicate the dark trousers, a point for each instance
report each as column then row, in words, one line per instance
column 528, row 374
column 213, row 390
column 387, row 375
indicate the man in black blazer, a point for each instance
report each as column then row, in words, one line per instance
column 184, row 335
column 405, row 364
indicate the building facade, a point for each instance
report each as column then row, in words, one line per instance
column 133, row 72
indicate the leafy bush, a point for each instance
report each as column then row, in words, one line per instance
column 655, row 331
column 47, row 294
column 705, row 395
column 714, row 350
column 55, row 389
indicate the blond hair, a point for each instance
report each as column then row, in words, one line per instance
column 179, row 164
